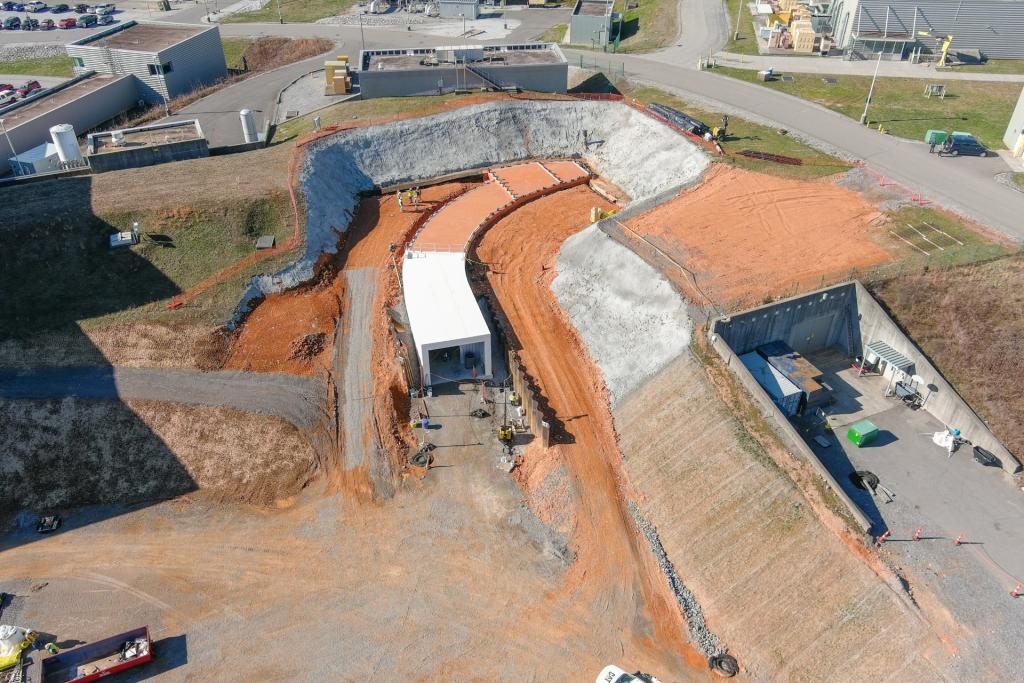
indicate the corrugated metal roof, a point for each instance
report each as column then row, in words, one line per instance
column 890, row 355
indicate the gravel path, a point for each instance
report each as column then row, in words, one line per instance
column 298, row 400
column 353, row 344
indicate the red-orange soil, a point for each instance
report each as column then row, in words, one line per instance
column 614, row 565
column 745, row 235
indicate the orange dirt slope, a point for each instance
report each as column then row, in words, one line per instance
column 614, row 566
column 746, row 235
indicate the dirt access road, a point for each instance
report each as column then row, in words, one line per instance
column 614, row 567
column 452, row 579
column 296, row 399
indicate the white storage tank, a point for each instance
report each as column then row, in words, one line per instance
column 248, row 125
column 66, row 142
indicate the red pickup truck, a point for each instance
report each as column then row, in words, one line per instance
column 28, row 88
column 70, row 22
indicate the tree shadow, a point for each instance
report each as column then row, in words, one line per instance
column 88, row 460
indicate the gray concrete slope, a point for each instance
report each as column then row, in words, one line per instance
column 352, row 364
column 299, row 400
column 964, row 184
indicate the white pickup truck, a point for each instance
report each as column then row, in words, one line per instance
column 613, row 674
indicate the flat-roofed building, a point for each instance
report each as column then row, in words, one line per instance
column 167, row 59
column 591, row 23
column 401, row 72
column 83, row 102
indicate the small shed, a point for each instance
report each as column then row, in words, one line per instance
column 888, row 359
column 784, row 394
column 457, row 9
column 36, row 160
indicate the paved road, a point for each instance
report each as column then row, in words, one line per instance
column 295, row 399
column 963, row 184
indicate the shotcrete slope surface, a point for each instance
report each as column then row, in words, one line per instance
column 631, row 319
column 632, row 151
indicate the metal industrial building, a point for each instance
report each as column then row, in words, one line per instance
column 1014, row 136
column 540, row 67
column 893, row 27
column 167, row 59
column 590, row 23
column 458, row 9
column 84, row 102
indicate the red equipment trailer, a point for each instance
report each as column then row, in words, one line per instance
column 94, row 661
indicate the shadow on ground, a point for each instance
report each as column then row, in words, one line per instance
column 57, row 269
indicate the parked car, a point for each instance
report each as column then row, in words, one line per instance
column 86, row 20
column 35, row 6
column 81, row 9
column 6, row 86
column 12, row 23
column 45, row 24
column 105, row 19
column 19, row 7
column 7, row 6
column 7, row 96
column 29, row 24
column 28, row 88
column 963, row 144
column 59, row 9
column 67, row 23
column 105, row 8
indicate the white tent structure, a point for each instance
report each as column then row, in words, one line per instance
column 453, row 341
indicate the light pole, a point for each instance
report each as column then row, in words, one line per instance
column 461, row 14
column 736, row 34
column 280, row 17
column 362, row 38
column 871, row 91
column 3, row 129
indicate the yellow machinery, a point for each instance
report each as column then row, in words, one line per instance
column 944, row 50
column 336, row 77
column 505, row 433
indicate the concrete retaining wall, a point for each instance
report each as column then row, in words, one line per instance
column 943, row 401
column 536, row 77
column 149, row 156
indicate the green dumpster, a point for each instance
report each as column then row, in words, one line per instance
column 862, row 433
column 935, row 137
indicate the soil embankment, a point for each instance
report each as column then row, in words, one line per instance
column 576, row 484
column 746, row 235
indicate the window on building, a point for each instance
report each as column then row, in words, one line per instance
column 160, row 69
column 78, row 61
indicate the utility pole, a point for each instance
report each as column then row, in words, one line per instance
column 871, row 91
column 736, row 33
column 11, row 145
column 280, row 17
column 362, row 38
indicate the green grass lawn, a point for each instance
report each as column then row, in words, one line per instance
column 95, row 286
column 992, row 66
column 45, row 66
column 362, row 109
column 233, row 49
column 747, row 43
column 746, row 135
column 898, row 104
column 555, row 34
column 1018, row 180
column 293, row 11
column 653, row 24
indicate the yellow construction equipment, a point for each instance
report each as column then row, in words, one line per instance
column 944, row 50
column 505, row 433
